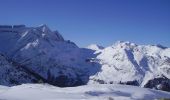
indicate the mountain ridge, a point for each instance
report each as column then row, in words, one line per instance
column 62, row 63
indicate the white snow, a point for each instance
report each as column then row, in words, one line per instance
column 86, row 92
column 125, row 61
column 43, row 51
column 95, row 47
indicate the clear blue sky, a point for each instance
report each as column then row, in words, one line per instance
column 95, row 21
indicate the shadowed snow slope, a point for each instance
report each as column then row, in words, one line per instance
column 87, row 92
column 12, row 75
column 46, row 54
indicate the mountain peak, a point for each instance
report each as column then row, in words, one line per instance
column 46, row 54
column 44, row 28
column 42, row 25
column 124, row 44
column 95, row 47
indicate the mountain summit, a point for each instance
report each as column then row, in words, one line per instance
column 129, row 63
column 46, row 54
column 95, row 47
column 37, row 54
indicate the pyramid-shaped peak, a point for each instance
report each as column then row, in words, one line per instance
column 44, row 28
column 43, row 25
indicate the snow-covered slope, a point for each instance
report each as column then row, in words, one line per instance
column 13, row 75
column 47, row 57
column 47, row 54
column 87, row 92
column 128, row 63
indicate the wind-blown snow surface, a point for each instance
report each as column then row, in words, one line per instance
column 87, row 92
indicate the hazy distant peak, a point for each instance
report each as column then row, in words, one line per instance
column 95, row 47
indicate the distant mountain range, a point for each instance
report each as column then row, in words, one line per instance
column 37, row 54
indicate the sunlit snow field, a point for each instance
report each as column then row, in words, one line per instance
column 86, row 92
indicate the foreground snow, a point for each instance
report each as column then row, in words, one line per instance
column 90, row 92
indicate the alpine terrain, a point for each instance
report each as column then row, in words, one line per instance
column 40, row 55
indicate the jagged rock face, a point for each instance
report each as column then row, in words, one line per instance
column 43, row 51
column 128, row 63
column 14, row 39
column 161, row 83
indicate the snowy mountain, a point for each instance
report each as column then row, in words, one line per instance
column 46, row 54
column 37, row 54
column 86, row 92
column 132, row 64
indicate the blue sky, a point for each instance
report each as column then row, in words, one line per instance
column 95, row 21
